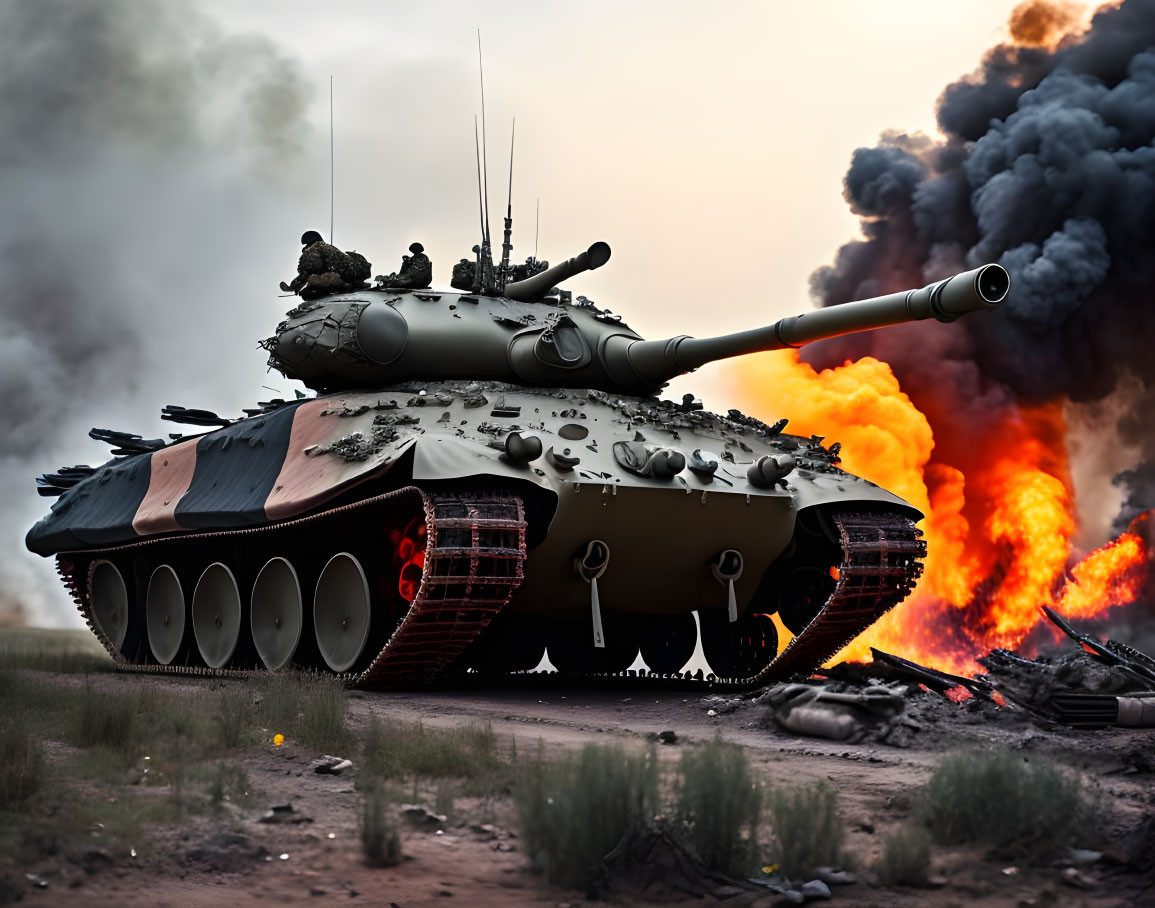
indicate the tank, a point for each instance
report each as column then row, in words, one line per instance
column 483, row 479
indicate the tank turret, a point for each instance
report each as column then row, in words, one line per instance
column 375, row 338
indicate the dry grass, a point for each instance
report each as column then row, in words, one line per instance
column 395, row 750
column 308, row 708
column 66, row 652
column 21, row 764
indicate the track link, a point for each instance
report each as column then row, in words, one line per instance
column 881, row 562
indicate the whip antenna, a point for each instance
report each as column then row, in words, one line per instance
column 484, row 160
column 536, row 229
column 331, row 179
column 506, row 244
column 480, row 203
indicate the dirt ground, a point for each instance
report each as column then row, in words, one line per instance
column 477, row 859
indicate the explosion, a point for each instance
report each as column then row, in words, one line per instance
column 999, row 526
column 1046, row 165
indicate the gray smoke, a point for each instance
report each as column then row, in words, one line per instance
column 1048, row 167
column 139, row 146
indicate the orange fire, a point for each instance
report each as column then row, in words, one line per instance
column 999, row 522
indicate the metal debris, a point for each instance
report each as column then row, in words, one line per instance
column 284, row 813
column 192, row 417
column 331, row 766
column 423, row 816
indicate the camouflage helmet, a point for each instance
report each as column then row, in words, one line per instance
column 309, row 237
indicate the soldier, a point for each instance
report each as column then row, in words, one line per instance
column 463, row 275
column 323, row 269
column 531, row 267
column 416, row 272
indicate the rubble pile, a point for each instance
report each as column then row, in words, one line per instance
column 1103, row 683
column 843, row 711
column 1099, row 684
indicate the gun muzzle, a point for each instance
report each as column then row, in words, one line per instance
column 536, row 287
column 980, row 288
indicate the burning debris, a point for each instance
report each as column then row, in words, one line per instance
column 1101, row 685
column 1097, row 685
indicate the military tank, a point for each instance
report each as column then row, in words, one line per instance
column 484, row 477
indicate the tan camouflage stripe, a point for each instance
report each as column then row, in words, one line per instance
column 172, row 475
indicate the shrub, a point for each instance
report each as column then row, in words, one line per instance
column 380, row 839
column 807, row 829
column 21, row 765
column 718, row 806
column 575, row 811
column 905, row 857
column 393, row 749
column 1021, row 807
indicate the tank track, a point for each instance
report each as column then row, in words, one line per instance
column 475, row 551
column 465, row 586
column 881, row 562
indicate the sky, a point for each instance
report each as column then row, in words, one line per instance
column 161, row 161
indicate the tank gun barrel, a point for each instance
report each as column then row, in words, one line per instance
column 537, row 286
column 656, row 362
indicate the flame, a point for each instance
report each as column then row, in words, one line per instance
column 999, row 524
column 1113, row 572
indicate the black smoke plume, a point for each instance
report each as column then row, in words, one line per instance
column 136, row 140
column 1048, row 167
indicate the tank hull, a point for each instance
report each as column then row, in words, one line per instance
column 343, row 476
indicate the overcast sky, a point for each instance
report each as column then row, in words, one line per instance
column 706, row 143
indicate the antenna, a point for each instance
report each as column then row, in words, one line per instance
column 537, row 230
column 484, row 160
column 331, row 170
column 506, row 245
column 480, row 203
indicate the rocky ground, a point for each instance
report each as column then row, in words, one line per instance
column 474, row 856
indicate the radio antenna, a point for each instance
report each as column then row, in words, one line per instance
column 484, row 160
column 480, row 203
column 331, row 169
column 506, row 245
column 537, row 230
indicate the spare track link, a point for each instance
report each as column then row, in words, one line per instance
column 474, row 557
